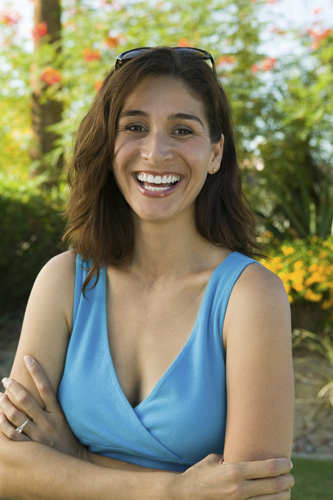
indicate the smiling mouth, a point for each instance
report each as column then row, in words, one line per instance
column 157, row 183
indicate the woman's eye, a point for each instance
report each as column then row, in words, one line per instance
column 182, row 131
column 135, row 128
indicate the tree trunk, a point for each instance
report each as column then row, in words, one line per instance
column 45, row 111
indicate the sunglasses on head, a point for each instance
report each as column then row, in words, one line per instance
column 131, row 54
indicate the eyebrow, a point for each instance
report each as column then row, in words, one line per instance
column 177, row 116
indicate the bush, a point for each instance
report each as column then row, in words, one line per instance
column 306, row 269
column 31, row 229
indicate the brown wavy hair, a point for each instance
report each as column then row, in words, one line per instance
column 99, row 220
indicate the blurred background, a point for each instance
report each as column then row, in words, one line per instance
column 275, row 59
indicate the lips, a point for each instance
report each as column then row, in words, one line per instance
column 157, row 183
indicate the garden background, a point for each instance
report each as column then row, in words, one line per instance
column 279, row 80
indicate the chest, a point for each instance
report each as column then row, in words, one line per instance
column 148, row 328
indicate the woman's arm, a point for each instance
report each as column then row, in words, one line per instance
column 32, row 471
column 259, row 368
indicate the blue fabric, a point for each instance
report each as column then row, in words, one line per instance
column 183, row 419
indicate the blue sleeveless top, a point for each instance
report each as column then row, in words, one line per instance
column 183, row 419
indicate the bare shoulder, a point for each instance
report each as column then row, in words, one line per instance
column 261, row 283
column 258, row 297
column 55, row 283
column 61, row 266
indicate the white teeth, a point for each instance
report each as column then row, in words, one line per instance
column 165, row 179
column 156, row 188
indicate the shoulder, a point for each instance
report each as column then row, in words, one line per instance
column 258, row 298
column 56, row 282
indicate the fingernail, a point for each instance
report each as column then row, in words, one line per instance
column 1, row 395
column 5, row 382
column 292, row 465
column 28, row 360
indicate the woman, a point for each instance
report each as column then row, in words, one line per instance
column 167, row 344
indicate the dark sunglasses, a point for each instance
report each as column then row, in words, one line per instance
column 131, row 54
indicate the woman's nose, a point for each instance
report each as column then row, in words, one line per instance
column 156, row 148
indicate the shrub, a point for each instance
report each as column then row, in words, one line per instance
column 306, row 269
column 31, row 229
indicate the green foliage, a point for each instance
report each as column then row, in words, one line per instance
column 31, row 229
column 296, row 143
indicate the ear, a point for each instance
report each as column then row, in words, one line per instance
column 216, row 156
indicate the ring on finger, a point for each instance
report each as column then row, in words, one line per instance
column 21, row 427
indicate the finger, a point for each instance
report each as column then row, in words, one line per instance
column 272, row 486
column 262, row 468
column 22, row 399
column 284, row 495
column 8, row 430
column 42, row 384
column 13, row 415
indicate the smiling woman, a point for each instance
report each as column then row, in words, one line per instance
column 167, row 345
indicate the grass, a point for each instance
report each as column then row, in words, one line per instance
column 313, row 479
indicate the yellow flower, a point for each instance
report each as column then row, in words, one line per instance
column 298, row 264
column 327, row 304
column 299, row 287
column 313, row 297
column 287, row 250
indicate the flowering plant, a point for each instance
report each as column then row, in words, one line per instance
column 305, row 267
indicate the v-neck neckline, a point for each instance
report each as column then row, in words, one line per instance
column 178, row 357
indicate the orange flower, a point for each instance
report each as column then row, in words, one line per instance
column 39, row 31
column 319, row 35
column 112, row 41
column 91, row 55
column 9, row 16
column 51, row 76
column 317, row 11
column 272, row 2
column 264, row 65
column 98, row 85
column 183, row 42
column 226, row 60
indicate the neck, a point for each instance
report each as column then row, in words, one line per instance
column 166, row 249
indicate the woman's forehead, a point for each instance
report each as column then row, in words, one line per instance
column 163, row 91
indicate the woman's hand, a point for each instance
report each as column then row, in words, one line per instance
column 46, row 425
column 212, row 478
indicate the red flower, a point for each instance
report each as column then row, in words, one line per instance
column 98, row 85
column 268, row 64
column 9, row 17
column 39, row 31
column 265, row 65
column 51, row 76
column 226, row 60
column 183, row 42
column 112, row 41
column 91, row 55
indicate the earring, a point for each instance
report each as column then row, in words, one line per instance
column 214, row 170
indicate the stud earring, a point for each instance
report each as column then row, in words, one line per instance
column 214, row 170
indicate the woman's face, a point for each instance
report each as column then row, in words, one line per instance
column 163, row 151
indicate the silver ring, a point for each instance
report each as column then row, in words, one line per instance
column 20, row 429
